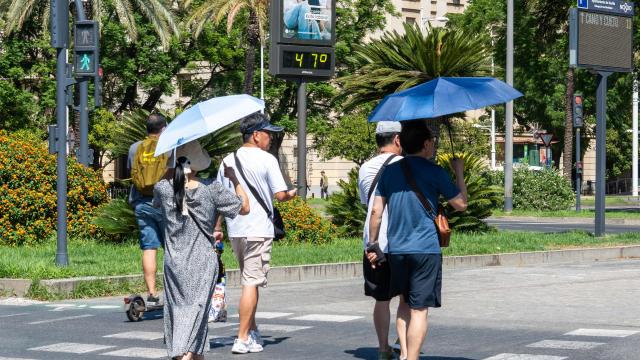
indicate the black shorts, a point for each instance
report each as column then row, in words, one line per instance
column 377, row 281
column 417, row 277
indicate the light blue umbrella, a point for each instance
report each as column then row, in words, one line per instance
column 206, row 117
column 443, row 96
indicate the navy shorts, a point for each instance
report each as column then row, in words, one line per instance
column 149, row 221
column 377, row 281
column 417, row 277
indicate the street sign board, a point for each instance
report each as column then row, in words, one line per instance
column 546, row 139
column 608, row 6
column 600, row 41
column 310, row 22
column 86, row 42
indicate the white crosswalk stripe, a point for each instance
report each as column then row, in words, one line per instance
column 139, row 353
column 282, row 328
column 508, row 356
column 137, row 335
column 60, row 319
column 72, row 348
column 327, row 318
column 565, row 345
column 6, row 358
column 266, row 315
column 603, row 333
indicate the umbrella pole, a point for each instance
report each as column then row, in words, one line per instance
column 447, row 123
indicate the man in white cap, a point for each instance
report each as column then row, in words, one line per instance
column 377, row 280
column 251, row 235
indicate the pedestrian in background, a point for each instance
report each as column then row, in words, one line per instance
column 252, row 235
column 188, row 206
column 377, row 280
column 324, row 185
column 146, row 170
column 414, row 252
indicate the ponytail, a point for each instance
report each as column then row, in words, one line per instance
column 178, row 183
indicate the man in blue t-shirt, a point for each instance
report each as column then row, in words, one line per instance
column 414, row 252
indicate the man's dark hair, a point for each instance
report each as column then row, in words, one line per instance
column 413, row 135
column 155, row 123
column 250, row 121
column 385, row 139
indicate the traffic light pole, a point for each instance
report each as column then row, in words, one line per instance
column 578, row 171
column 302, row 139
column 83, row 108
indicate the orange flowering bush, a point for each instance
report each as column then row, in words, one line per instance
column 304, row 224
column 28, row 191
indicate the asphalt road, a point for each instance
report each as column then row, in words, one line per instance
column 552, row 312
column 551, row 225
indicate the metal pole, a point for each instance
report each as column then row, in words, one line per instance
column 302, row 140
column 508, row 141
column 261, row 71
column 493, row 117
column 601, row 160
column 578, row 171
column 83, row 86
column 634, row 161
column 61, row 170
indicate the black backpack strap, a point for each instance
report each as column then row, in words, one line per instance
column 412, row 183
column 377, row 178
column 251, row 188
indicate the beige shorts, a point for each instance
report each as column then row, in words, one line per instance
column 253, row 255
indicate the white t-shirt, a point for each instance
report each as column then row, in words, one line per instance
column 368, row 172
column 262, row 171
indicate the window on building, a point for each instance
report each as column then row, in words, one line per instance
column 410, row 20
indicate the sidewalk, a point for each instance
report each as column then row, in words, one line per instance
column 353, row 270
column 564, row 220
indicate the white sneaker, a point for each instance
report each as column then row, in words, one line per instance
column 243, row 347
column 255, row 334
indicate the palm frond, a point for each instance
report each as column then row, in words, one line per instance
column 18, row 12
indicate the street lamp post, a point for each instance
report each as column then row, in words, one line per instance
column 508, row 143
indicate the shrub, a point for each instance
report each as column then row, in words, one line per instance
column 304, row 224
column 482, row 196
column 116, row 218
column 28, row 192
column 345, row 208
column 542, row 190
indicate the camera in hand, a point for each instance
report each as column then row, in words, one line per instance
column 375, row 247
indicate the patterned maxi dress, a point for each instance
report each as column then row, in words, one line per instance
column 190, row 263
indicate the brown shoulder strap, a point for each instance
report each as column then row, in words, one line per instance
column 412, row 183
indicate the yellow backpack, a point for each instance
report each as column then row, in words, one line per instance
column 146, row 169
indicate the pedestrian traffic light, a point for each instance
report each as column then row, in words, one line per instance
column 86, row 43
column 577, row 111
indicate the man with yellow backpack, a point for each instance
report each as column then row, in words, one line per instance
column 146, row 171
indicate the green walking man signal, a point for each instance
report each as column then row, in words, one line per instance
column 86, row 44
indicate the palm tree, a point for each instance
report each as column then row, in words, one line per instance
column 399, row 61
column 156, row 11
column 217, row 10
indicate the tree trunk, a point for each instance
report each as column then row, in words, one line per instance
column 568, row 127
column 253, row 41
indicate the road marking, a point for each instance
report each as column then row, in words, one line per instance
column 20, row 302
column 267, row 315
column 138, row 352
column 327, row 318
column 12, row 315
column 565, row 345
column 60, row 319
column 282, row 328
column 137, row 335
column 602, row 333
column 507, row 356
column 105, row 307
column 6, row 358
column 61, row 307
column 73, row 348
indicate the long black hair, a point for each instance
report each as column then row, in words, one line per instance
column 178, row 182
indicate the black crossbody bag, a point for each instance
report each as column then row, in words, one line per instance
column 276, row 219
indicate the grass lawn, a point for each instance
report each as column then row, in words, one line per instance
column 318, row 204
column 88, row 258
column 610, row 213
column 612, row 200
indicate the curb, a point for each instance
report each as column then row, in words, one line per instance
column 352, row 270
column 564, row 220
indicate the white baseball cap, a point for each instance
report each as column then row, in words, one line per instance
column 386, row 127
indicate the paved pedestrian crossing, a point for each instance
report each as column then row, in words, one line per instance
column 576, row 346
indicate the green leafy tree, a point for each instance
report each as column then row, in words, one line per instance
column 353, row 138
column 399, row 61
column 157, row 12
